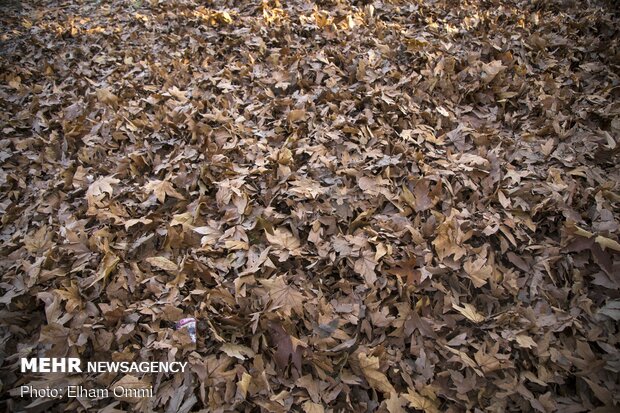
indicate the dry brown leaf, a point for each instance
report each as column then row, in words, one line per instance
column 237, row 351
column 311, row 407
column 525, row 341
column 106, row 96
column 394, row 403
column 365, row 266
column 161, row 189
column 419, row 402
column 243, row 385
column 371, row 369
column 163, row 263
column 107, row 266
column 283, row 296
column 283, row 239
column 470, row 312
column 297, row 115
column 487, row 362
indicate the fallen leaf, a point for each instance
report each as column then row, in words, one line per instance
column 469, row 311
column 162, row 263
column 525, row 341
column 420, row 402
column 371, row 369
column 243, row 385
column 284, row 296
column 107, row 266
column 283, row 239
column 237, row 351
column 311, row 407
column 161, row 189
column 106, row 96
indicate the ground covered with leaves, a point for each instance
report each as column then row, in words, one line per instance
column 389, row 207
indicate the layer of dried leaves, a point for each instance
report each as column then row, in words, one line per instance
column 381, row 207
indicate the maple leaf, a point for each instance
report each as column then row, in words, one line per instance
column 38, row 242
column 487, row 362
column 284, row 296
column 365, row 266
column 478, row 271
column 395, row 403
column 335, row 161
column 212, row 369
column 419, row 402
column 284, row 239
column 469, row 311
column 161, row 189
column 98, row 189
column 447, row 239
column 371, row 369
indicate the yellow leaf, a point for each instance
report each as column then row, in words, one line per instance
column 376, row 379
column 470, row 312
column 605, row 243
